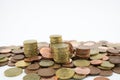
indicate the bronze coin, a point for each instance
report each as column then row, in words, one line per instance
column 70, row 65
column 114, row 59
column 101, row 78
column 96, row 62
column 5, row 50
column 94, row 70
column 18, row 51
column 34, row 66
column 18, row 57
column 116, row 70
column 106, row 73
column 10, row 63
column 6, row 55
column 55, row 66
column 27, row 71
column 34, row 58
column 113, row 52
column 3, row 63
column 46, row 72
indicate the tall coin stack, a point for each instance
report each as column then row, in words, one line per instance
column 59, row 49
column 61, row 53
column 83, row 52
column 30, row 48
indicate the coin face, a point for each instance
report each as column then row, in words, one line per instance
column 18, row 57
column 81, row 63
column 101, row 78
column 106, row 73
column 82, row 70
column 46, row 72
column 22, row 63
column 114, row 59
column 65, row 73
column 107, row 64
column 97, row 56
column 94, row 70
column 5, row 50
column 78, row 76
column 12, row 72
column 46, row 63
column 116, row 70
column 96, row 62
column 34, row 66
column 31, row 76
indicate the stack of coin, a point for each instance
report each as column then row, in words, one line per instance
column 83, row 52
column 55, row 39
column 61, row 53
column 30, row 48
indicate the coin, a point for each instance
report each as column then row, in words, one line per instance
column 34, row 66
column 12, row 72
column 55, row 66
column 18, row 51
column 97, row 56
column 65, row 73
column 46, row 52
column 34, row 58
column 116, row 70
column 4, row 59
column 101, row 78
column 106, row 73
column 22, row 63
column 46, row 63
column 107, row 64
column 4, row 63
column 31, row 76
column 18, row 57
column 94, row 70
column 96, row 62
column 2, row 56
column 94, row 51
column 5, row 50
column 78, row 76
column 82, row 70
column 81, row 63
column 46, row 72
column 114, row 59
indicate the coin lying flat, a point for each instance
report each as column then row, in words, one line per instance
column 5, row 50
column 96, row 62
column 34, row 66
column 106, row 73
column 82, row 70
column 22, row 63
column 107, row 64
column 65, row 73
column 81, row 63
column 94, row 70
column 114, row 59
column 116, row 70
column 46, row 72
column 101, row 78
column 31, row 76
column 18, row 57
column 97, row 56
column 4, row 59
column 34, row 58
column 78, row 76
column 46, row 63
column 12, row 72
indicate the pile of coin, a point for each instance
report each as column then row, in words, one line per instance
column 30, row 48
column 61, row 53
column 96, row 58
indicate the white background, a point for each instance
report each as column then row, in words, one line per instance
column 73, row 19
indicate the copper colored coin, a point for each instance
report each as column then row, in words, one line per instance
column 94, row 70
column 70, row 65
column 101, row 78
column 5, row 50
column 34, row 66
column 34, row 58
column 6, row 55
column 18, row 57
column 10, row 63
column 114, row 59
column 96, row 62
column 82, row 70
column 55, row 66
column 46, row 72
column 27, row 71
column 106, row 73
column 116, row 70
column 46, row 52
column 50, row 78
column 18, row 51
column 4, row 63
column 105, row 58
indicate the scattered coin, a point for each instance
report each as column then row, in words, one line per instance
column 22, row 64
column 96, row 62
column 18, row 51
column 82, row 70
column 31, row 76
column 65, row 73
column 114, row 59
column 97, row 56
column 34, row 66
column 78, row 76
column 81, row 63
column 34, row 58
column 94, row 70
column 18, row 57
column 12, row 72
column 46, row 72
column 101, row 78
column 107, row 64
column 5, row 50
column 106, row 73
column 4, row 59
column 46, row 63
column 116, row 70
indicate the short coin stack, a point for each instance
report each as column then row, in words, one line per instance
column 30, row 48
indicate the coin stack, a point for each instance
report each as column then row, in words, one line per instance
column 61, row 53
column 30, row 48
column 83, row 52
